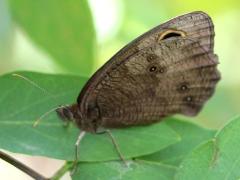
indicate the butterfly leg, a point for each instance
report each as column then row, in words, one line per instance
column 80, row 137
column 115, row 145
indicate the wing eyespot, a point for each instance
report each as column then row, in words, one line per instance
column 156, row 69
column 183, row 87
column 151, row 57
column 188, row 99
column 162, row 70
column 171, row 33
column 152, row 68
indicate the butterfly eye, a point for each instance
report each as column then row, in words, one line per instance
column 152, row 68
column 66, row 113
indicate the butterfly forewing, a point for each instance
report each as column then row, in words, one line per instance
column 170, row 69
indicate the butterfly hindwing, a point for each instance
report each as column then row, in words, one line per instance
column 170, row 69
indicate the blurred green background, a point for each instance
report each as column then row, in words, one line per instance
column 77, row 37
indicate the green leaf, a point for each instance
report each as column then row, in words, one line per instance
column 62, row 28
column 140, row 170
column 217, row 159
column 191, row 136
column 21, row 104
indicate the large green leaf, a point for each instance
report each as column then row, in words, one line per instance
column 21, row 104
column 191, row 136
column 217, row 159
column 62, row 28
column 139, row 170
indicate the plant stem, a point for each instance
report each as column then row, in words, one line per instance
column 22, row 166
column 62, row 171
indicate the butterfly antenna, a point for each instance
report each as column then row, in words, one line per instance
column 32, row 83
column 43, row 90
column 44, row 115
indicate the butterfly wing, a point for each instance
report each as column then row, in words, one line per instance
column 170, row 69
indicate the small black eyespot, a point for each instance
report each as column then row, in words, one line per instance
column 152, row 68
column 183, row 87
column 151, row 57
column 161, row 70
column 188, row 99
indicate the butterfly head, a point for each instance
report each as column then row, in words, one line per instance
column 72, row 113
column 69, row 113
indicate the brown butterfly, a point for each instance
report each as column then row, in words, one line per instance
column 169, row 70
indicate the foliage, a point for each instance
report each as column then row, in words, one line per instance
column 62, row 28
column 171, row 149
column 23, row 105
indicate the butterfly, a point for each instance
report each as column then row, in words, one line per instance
column 169, row 70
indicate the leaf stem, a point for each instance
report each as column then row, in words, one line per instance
column 62, row 170
column 22, row 166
